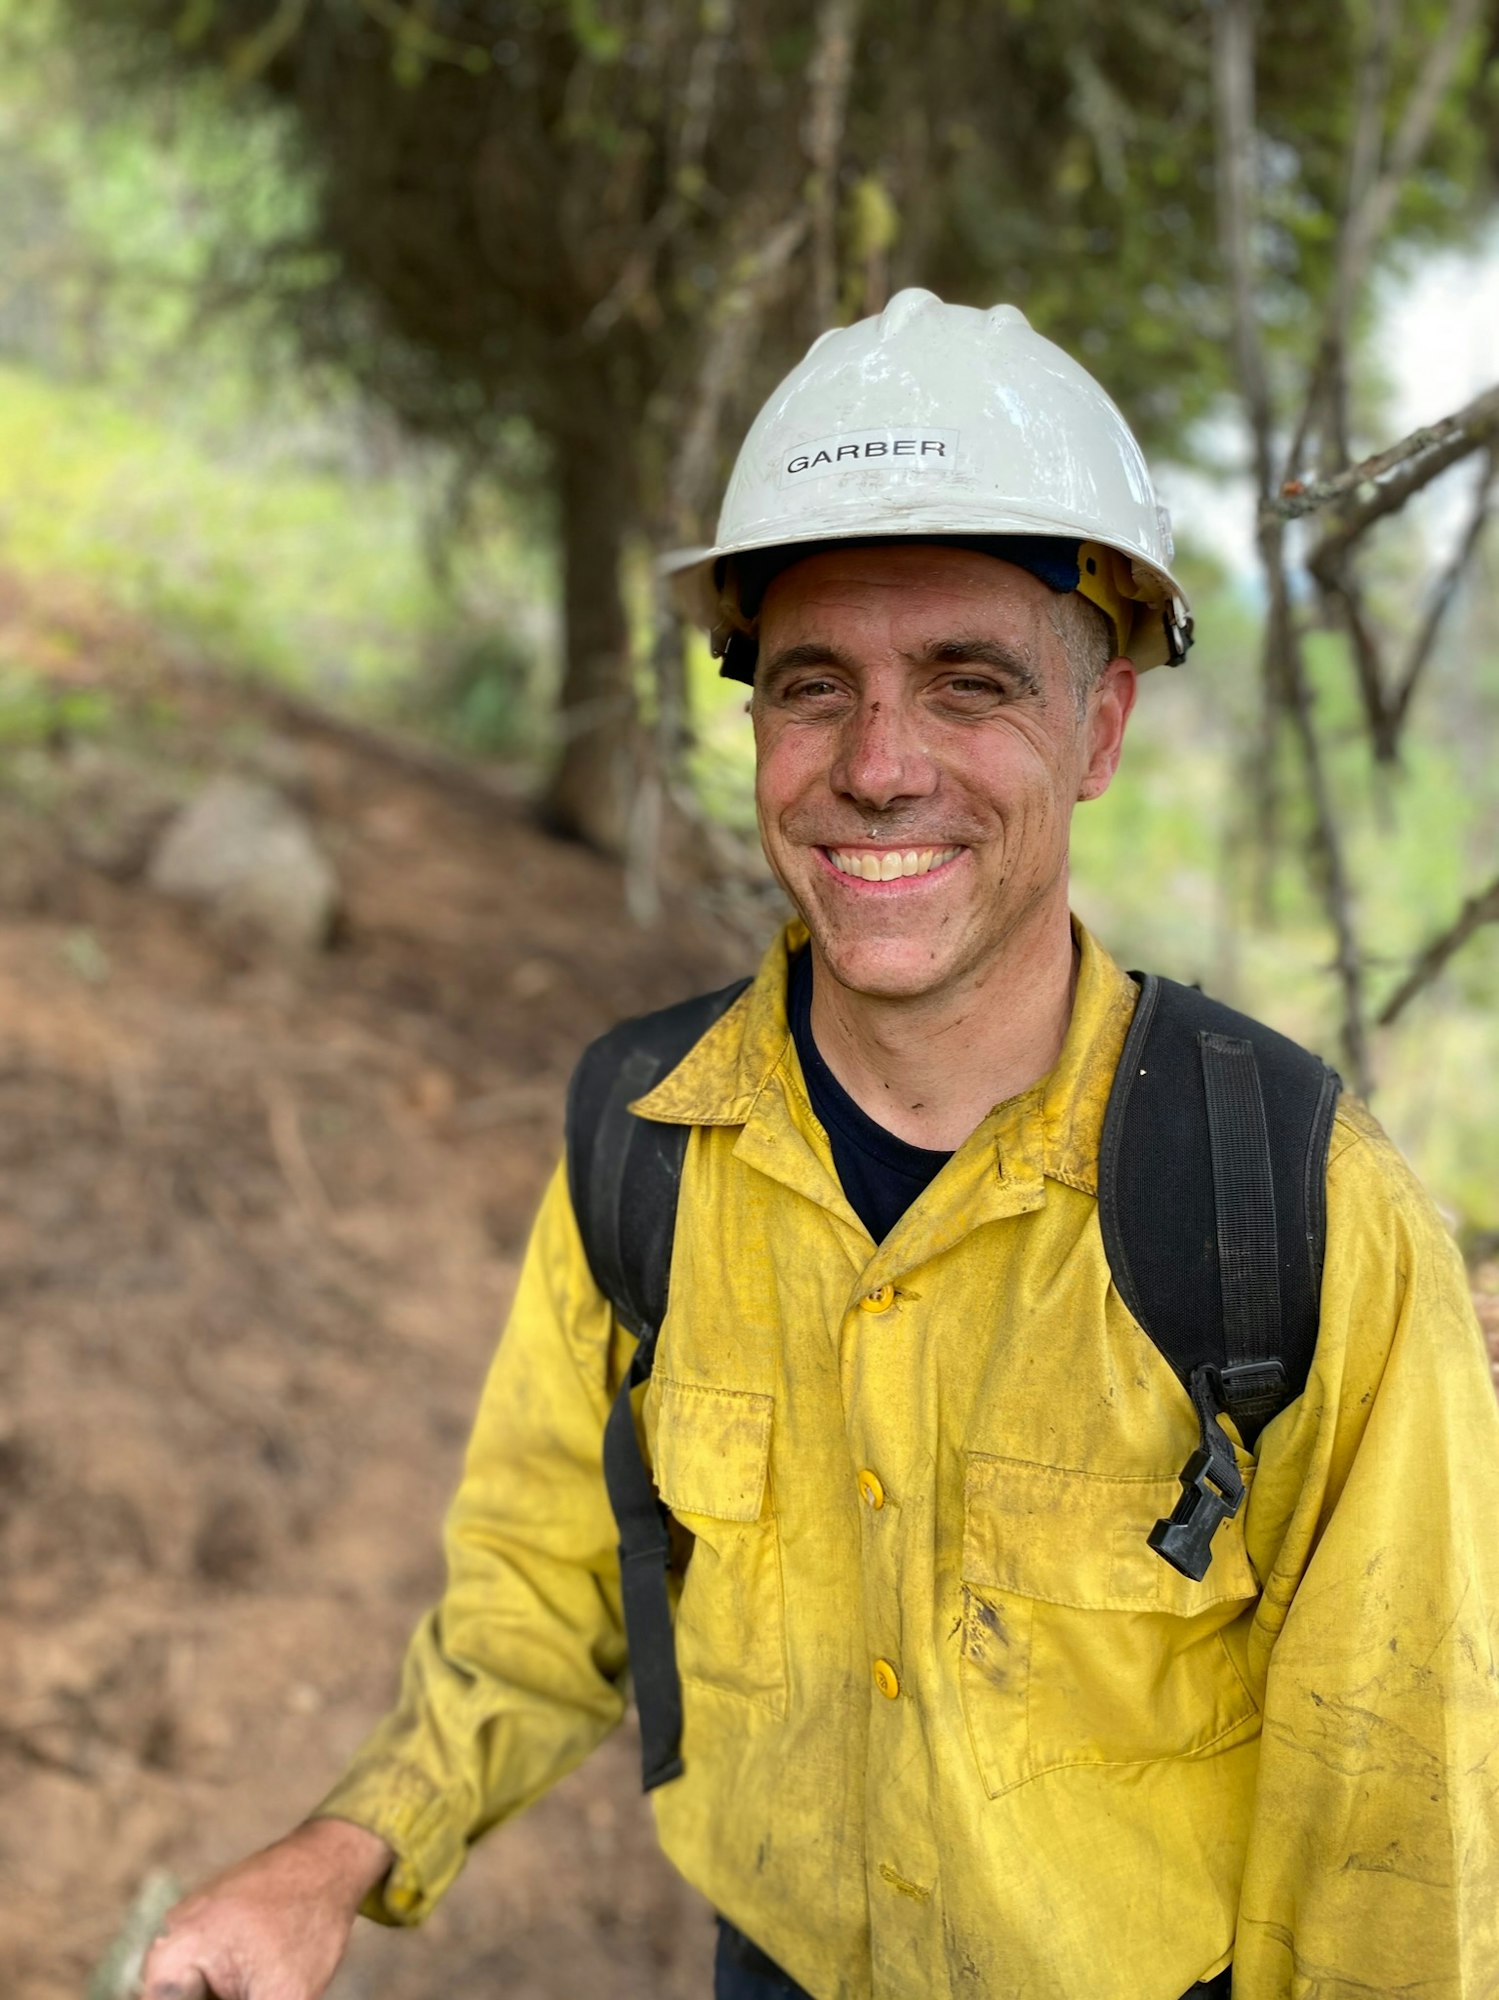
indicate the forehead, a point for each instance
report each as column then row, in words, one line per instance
column 904, row 583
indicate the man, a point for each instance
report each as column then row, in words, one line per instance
column 950, row 1725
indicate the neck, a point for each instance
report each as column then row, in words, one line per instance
column 931, row 1068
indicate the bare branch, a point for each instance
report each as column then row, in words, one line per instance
column 1369, row 214
column 1284, row 665
column 1442, row 594
column 638, row 270
column 686, row 193
column 409, row 30
column 1448, row 440
column 1337, row 888
column 255, row 54
column 1410, row 141
column 1103, row 114
column 1331, row 563
column 735, row 322
column 828, row 76
column 1234, row 139
column 1371, row 98
column 1475, row 913
column 1339, row 581
column 1365, row 148
column 702, row 87
column 1233, row 83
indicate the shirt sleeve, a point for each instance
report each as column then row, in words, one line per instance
column 1373, row 1862
column 518, row 1672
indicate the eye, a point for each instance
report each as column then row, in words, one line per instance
column 967, row 692
column 814, row 692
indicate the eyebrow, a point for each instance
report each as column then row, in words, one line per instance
column 980, row 652
column 813, row 653
column 953, row 652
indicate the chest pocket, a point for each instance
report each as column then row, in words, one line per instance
column 712, row 1462
column 1080, row 1646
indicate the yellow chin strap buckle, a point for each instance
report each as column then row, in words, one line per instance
column 1107, row 578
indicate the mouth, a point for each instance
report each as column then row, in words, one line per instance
column 889, row 864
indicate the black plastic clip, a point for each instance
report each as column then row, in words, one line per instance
column 1212, row 1485
column 1254, row 1389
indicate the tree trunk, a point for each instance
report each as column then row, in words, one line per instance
column 588, row 798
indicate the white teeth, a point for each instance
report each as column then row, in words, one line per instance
column 895, row 862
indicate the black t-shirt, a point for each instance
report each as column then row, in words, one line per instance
column 881, row 1175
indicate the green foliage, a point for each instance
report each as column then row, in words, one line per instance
column 307, row 574
column 36, row 712
column 475, row 201
column 490, row 698
column 160, row 436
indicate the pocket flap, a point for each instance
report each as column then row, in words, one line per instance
column 1079, row 1538
column 712, row 1450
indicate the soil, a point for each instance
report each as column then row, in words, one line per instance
column 259, row 1220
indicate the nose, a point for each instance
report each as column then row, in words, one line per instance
column 880, row 760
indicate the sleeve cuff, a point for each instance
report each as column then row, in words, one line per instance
column 422, row 1825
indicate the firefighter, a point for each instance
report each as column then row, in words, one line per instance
column 949, row 1723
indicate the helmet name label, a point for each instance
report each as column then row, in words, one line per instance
column 928, row 451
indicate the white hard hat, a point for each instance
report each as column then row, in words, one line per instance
column 934, row 421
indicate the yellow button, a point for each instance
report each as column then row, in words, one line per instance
column 886, row 1680
column 880, row 1300
column 870, row 1489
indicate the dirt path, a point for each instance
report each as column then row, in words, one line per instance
column 258, row 1226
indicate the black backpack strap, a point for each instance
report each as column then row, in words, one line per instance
column 624, row 1174
column 1211, row 1201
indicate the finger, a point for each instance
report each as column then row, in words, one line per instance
column 165, row 1977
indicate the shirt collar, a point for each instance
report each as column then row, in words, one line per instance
column 1054, row 1128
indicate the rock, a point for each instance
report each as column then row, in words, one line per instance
column 248, row 859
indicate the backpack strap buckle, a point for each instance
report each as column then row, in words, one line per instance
column 1212, row 1485
column 1255, row 1389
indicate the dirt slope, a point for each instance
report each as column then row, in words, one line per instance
column 258, row 1225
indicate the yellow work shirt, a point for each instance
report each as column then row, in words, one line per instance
column 951, row 1727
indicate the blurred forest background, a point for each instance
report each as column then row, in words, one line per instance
column 357, row 359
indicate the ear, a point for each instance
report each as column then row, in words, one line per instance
column 1109, row 707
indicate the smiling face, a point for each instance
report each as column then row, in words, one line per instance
column 920, row 748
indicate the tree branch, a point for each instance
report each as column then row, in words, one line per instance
column 1443, row 592
column 1331, row 562
column 1411, row 136
column 686, row 177
column 1284, row 663
column 1448, row 440
column 1368, row 216
column 1475, row 913
column 1339, row 581
column 828, row 76
column 1233, row 83
column 253, row 55
column 735, row 320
